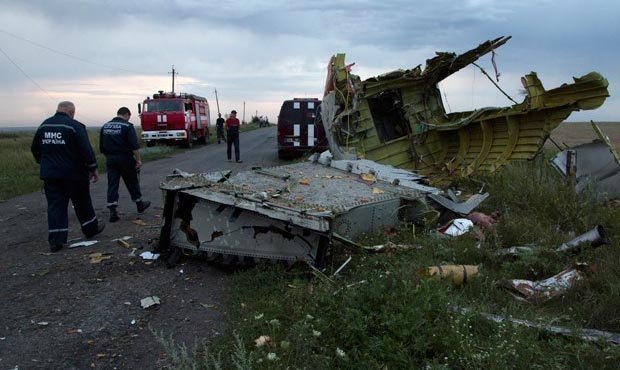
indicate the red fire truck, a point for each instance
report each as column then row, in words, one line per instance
column 169, row 117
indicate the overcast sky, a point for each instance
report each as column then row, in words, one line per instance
column 104, row 54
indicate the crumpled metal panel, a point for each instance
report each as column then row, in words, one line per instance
column 595, row 168
column 288, row 212
column 398, row 118
column 542, row 290
column 462, row 208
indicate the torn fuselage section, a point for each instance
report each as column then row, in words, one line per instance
column 290, row 213
column 398, row 118
column 594, row 166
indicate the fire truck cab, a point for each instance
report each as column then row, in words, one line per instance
column 174, row 118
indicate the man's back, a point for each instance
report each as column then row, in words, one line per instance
column 118, row 137
column 62, row 148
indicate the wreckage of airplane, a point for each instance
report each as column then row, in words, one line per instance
column 293, row 212
column 398, row 118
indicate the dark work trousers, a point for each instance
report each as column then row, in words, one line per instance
column 220, row 134
column 233, row 139
column 122, row 165
column 58, row 194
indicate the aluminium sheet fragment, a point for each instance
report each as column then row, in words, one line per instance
column 289, row 212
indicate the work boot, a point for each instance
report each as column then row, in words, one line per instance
column 56, row 247
column 100, row 227
column 142, row 205
column 113, row 215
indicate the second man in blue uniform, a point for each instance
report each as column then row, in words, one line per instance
column 119, row 143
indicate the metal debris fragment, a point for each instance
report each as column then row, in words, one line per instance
column 342, row 266
column 458, row 274
column 544, row 290
column 462, row 208
column 390, row 246
column 595, row 237
column 590, row 335
column 457, row 227
column 398, row 118
column 593, row 166
column 86, row 243
column 149, row 256
column 300, row 222
column 150, row 302
column 98, row 257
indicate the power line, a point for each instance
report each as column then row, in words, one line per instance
column 33, row 81
column 67, row 54
column 25, row 74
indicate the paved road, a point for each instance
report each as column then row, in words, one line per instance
column 62, row 311
column 258, row 148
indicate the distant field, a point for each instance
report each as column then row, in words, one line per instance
column 574, row 133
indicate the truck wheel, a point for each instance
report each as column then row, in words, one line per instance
column 203, row 140
column 188, row 142
column 150, row 143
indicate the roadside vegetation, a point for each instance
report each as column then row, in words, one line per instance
column 377, row 313
column 19, row 173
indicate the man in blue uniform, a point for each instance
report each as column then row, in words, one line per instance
column 119, row 143
column 67, row 161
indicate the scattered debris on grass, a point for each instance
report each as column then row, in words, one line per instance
column 458, row 274
column 593, row 238
column 456, row 227
column 544, row 290
column 262, row 341
column 391, row 246
column 590, row 335
column 594, row 166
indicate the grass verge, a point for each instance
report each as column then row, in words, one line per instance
column 379, row 314
column 19, row 173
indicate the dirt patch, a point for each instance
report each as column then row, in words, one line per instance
column 60, row 311
column 573, row 133
column 63, row 311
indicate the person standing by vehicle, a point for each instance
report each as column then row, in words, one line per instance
column 232, row 133
column 219, row 126
column 119, row 143
column 67, row 161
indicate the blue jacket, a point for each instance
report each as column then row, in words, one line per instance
column 118, row 137
column 62, row 148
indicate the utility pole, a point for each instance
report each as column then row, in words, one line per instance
column 173, row 74
column 243, row 120
column 217, row 102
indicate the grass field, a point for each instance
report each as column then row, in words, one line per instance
column 19, row 173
